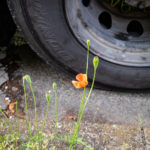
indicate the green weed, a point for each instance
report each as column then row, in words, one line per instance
column 36, row 139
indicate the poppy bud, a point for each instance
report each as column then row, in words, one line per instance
column 27, row 78
column 95, row 62
column 54, row 86
column 48, row 96
column 88, row 43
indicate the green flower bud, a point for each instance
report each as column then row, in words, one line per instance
column 48, row 96
column 88, row 43
column 27, row 78
column 95, row 62
column 54, row 86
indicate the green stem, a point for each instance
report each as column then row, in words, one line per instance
column 87, row 100
column 17, row 124
column 84, row 91
column 82, row 102
column 55, row 116
column 76, row 131
column 27, row 114
column 80, row 111
column 18, row 130
column 45, row 115
column 87, row 63
column 34, row 106
column 10, row 127
column 88, row 95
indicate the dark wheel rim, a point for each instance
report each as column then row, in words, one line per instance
column 119, row 33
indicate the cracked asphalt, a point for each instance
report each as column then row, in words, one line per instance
column 114, row 113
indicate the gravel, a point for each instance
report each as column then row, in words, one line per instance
column 3, row 75
column 3, row 105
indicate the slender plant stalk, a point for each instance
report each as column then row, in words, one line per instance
column 95, row 64
column 55, row 116
column 27, row 114
column 34, row 107
column 87, row 60
column 10, row 127
column 45, row 116
column 87, row 98
column 18, row 130
column 79, row 114
column 76, row 131
column 89, row 93
column 82, row 102
column 28, row 79
column 84, row 91
column 35, row 111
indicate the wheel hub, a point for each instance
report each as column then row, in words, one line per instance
column 119, row 35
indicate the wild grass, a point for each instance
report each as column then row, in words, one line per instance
column 37, row 139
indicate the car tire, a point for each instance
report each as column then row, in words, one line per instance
column 7, row 25
column 44, row 26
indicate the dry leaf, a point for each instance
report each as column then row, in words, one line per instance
column 12, row 107
column 74, row 118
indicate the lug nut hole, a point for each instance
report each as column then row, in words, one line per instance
column 105, row 20
column 135, row 28
column 86, row 3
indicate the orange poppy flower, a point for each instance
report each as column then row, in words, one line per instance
column 81, row 81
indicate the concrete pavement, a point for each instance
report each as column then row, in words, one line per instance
column 110, row 119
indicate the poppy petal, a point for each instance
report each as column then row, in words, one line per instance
column 77, row 84
column 84, row 83
column 81, row 77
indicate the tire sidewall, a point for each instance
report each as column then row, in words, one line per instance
column 48, row 20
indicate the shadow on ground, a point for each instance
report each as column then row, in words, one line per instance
column 103, row 107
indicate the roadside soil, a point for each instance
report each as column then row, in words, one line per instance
column 111, row 118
